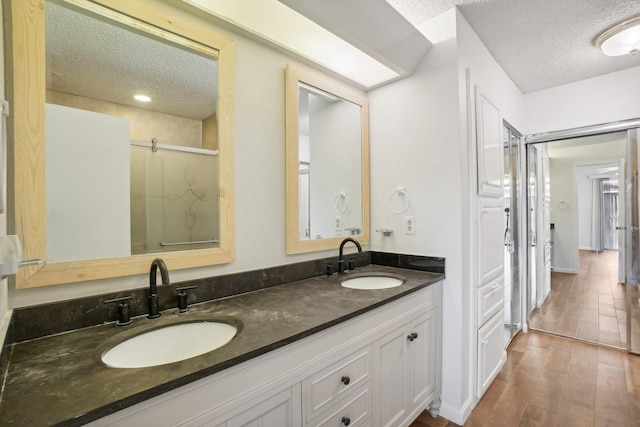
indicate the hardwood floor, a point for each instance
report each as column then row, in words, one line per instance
column 553, row 381
column 589, row 305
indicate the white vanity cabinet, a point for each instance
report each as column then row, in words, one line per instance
column 282, row 410
column 329, row 386
column 387, row 358
column 406, row 363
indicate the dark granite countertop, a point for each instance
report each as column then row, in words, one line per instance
column 60, row 380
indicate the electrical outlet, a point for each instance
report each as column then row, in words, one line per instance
column 409, row 225
column 338, row 223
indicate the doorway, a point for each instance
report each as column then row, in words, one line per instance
column 585, row 297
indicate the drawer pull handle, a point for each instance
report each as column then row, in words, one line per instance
column 412, row 336
column 346, row 421
column 345, row 380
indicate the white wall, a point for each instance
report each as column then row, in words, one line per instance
column 425, row 147
column 415, row 143
column 584, row 188
column 335, row 133
column 592, row 101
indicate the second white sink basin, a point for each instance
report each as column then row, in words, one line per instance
column 169, row 344
column 372, row 282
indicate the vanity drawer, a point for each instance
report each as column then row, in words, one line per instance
column 490, row 300
column 326, row 386
column 354, row 410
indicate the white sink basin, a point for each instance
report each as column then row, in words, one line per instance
column 372, row 282
column 169, row 344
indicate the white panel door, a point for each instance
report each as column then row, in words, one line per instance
column 393, row 369
column 490, row 240
column 491, row 353
column 423, row 357
column 489, row 146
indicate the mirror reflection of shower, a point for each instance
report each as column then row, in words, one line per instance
column 174, row 198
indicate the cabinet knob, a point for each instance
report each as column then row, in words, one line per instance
column 346, row 421
column 412, row 336
column 345, row 380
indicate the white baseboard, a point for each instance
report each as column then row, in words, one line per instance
column 456, row 415
column 565, row 270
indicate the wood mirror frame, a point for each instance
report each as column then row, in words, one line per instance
column 25, row 56
column 295, row 76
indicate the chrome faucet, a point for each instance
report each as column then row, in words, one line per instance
column 341, row 257
column 154, row 311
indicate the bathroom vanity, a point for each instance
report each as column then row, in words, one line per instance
column 310, row 352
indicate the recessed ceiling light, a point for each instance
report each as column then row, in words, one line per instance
column 621, row 39
column 142, row 98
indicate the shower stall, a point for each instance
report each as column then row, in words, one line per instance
column 174, row 198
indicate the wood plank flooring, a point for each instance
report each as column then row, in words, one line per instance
column 553, row 381
column 589, row 305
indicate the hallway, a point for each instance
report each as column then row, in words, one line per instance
column 552, row 381
column 589, row 305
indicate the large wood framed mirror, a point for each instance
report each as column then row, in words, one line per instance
column 102, row 184
column 327, row 162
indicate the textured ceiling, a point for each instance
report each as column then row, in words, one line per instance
column 90, row 58
column 539, row 43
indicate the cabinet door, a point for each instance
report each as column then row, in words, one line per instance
column 490, row 240
column 490, row 300
column 422, row 357
column 489, row 146
column 491, row 354
column 392, row 366
column 282, row 410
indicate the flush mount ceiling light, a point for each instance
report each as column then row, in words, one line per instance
column 621, row 39
column 141, row 98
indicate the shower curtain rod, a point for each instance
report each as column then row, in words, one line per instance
column 183, row 149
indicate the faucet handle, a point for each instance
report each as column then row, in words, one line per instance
column 183, row 304
column 124, row 315
column 351, row 265
column 328, row 268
